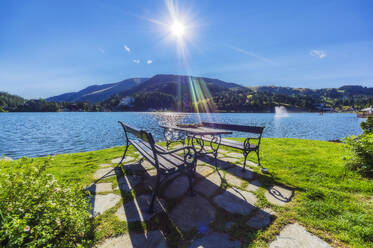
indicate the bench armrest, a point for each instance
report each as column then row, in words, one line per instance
column 247, row 142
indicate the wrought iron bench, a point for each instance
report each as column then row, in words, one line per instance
column 166, row 162
column 246, row 147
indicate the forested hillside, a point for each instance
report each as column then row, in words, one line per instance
column 194, row 94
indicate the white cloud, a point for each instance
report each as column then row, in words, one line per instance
column 149, row 61
column 127, row 48
column 318, row 53
column 101, row 50
column 137, row 61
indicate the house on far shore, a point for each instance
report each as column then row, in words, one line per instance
column 367, row 112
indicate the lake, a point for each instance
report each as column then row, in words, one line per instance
column 40, row 134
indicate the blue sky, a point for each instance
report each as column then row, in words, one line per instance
column 52, row 47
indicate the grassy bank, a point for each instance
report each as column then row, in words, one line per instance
column 329, row 201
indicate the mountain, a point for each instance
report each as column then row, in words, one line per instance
column 97, row 93
column 174, row 92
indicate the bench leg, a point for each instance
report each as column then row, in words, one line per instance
column 244, row 163
column 124, row 155
column 257, row 155
column 155, row 193
column 191, row 173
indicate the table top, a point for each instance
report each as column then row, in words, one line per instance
column 197, row 130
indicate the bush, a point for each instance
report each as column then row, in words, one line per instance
column 362, row 153
column 367, row 126
column 38, row 211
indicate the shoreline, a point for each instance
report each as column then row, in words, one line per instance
column 9, row 158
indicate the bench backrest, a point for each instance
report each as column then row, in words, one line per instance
column 233, row 127
column 141, row 134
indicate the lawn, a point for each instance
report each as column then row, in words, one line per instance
column 334, row 204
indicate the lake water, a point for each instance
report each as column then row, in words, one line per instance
column 40, row 134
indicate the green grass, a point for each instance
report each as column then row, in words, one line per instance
column 334, row 204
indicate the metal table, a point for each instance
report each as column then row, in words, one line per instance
column 193, row 136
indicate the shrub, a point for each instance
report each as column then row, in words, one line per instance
column 362, row 153
column 367, row 126
column 38, row 211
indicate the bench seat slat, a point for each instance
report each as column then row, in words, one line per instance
column 167, row 162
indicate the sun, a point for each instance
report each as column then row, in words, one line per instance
column 178, row 29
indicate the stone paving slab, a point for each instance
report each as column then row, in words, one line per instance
column 278, row 195
column 203, row 171
column 254, row 185
column 105, row 165
column 127, row 159
column 233, row 180
column 246, row 174
column 261, row 219
column 151, row 178
column 100, row 187
column 235, row 155
column 177, row 188
column 230, row 160
column 138, row 167
column 135, row 240
column 104, row 171
column 127, row 182
column 248, row 162
column 295, row 236
column 215, row 240
column 193, row 212
column 5, row 158
column 236, row 201
column 101, row 203
column 209, row 185
column 137, row 209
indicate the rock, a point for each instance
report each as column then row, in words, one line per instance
column 193, row 212
column 294, row 236
column 278, row 195
column 209, row 185
column 261, row 219
column 215, row 240
column 127, row 159
column 137, row 209
column 100, row 187
column 127, row 182
column 232, row 180
column 253, row 185
column 177, row 188
column 135, row 240
column 105, row 165
column 107, row 172
column 203, row 171
column 246, row 174
column 236, row 201
column 101, row 203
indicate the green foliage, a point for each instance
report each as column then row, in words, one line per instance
column 38, row 211
column 362, row 153
column 10, row 102
column 367, row 126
